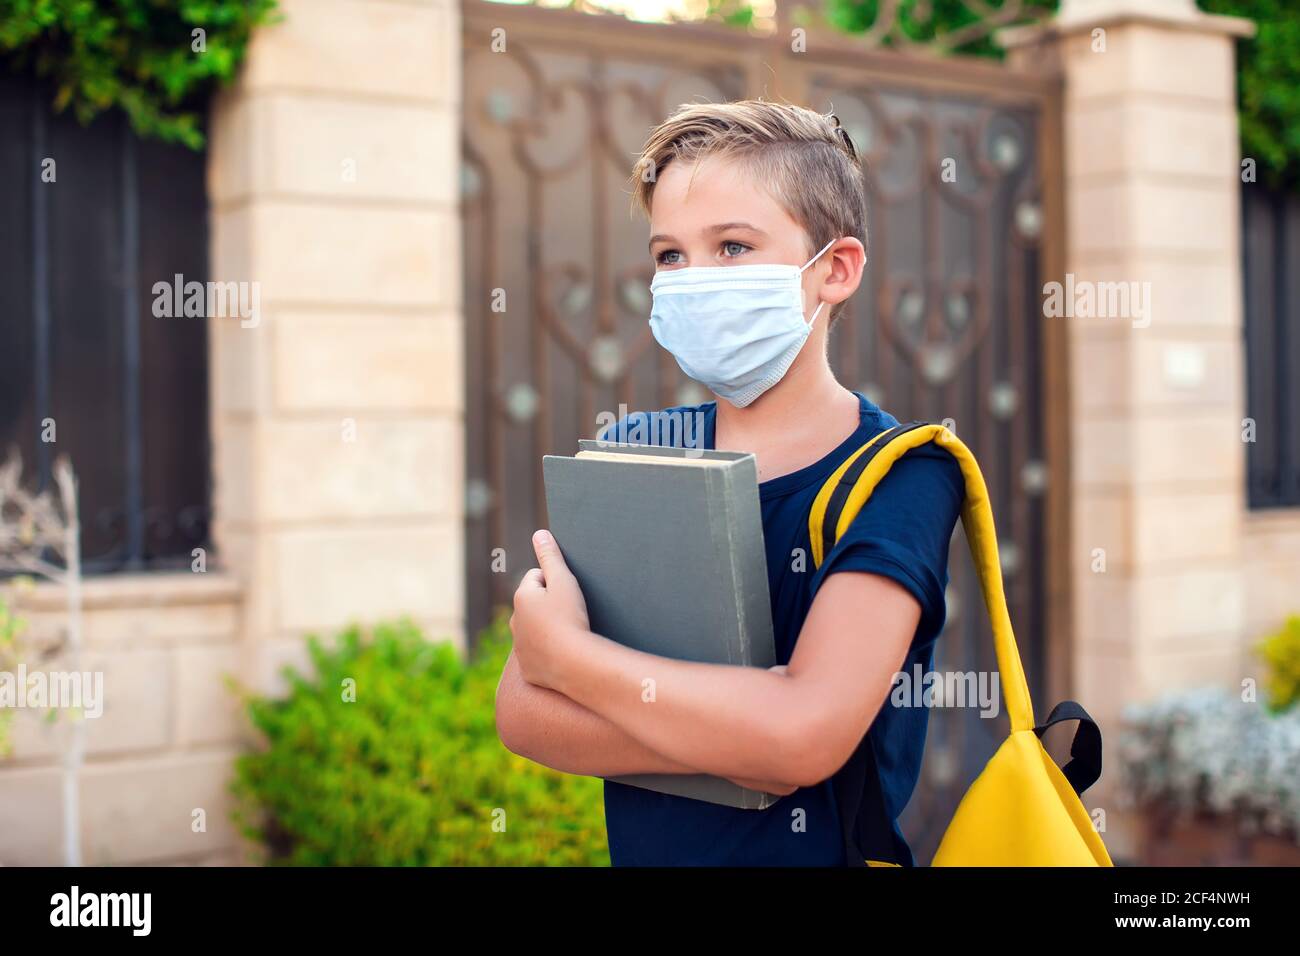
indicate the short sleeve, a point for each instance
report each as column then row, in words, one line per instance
column 904, row 531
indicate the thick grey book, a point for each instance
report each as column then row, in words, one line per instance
column 667, row 544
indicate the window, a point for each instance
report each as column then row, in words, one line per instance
column 1271, row 275
column 92, row 218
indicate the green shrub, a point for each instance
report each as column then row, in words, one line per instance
column 409, row 773
column 1281, row 653
column 154, row 59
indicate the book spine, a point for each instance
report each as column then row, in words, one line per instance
column 748, row 558
column 721, row 492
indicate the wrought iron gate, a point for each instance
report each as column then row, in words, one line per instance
column 947, row 324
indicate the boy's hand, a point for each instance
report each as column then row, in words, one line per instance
column 549, row 614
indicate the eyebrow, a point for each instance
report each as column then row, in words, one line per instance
column 720, row 227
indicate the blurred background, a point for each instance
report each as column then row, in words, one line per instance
column 297, row 294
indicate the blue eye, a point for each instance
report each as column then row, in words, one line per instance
column 733, row 249
column 669, row 257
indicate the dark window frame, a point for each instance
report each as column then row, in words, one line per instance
column 79, row 343
column 1270, row 242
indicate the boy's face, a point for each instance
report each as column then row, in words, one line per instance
column 716, row 214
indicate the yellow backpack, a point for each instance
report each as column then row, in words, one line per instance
column 1022, row 810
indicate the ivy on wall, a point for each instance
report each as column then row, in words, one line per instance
column 1268, row 86
column 154, row 59
column 1268, row 65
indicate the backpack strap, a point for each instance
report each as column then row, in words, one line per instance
column 868, row 831
column 841, row 485
column 1084, row 768
column 976, row 516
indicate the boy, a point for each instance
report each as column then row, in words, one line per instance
column 759, row 188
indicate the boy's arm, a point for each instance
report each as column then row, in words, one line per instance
column 796, row 728
column 548, row 728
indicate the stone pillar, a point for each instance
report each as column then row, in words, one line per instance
column 337, row 416
column 1151, row 184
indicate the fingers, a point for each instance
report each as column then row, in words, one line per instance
column 548, row 556
column 531, row 583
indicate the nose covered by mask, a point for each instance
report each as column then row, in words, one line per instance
column 734, row 329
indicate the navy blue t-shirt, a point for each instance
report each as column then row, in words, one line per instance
column 902, row 534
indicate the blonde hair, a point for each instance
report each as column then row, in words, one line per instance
column 805, row 158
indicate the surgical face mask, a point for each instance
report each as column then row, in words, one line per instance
column 734, row 329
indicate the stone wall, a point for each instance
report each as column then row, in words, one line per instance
column 1152, row 181
column 337, row 427
column 163, row 746
column 337, row 419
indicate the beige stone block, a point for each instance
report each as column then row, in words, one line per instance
column 1100, row 372
column 35, row 738
column 1102, row 532
column 207, row 710
column 146, row 626
column 1147, row 213
column 1198, row 448
column 142, row 811
column 1274, row 535
column 135, row 700
column 361, row 468
column 1172, row 530
column 403, row 50
column 359, row 362
column 1169, row 669
column 1186, row 293
column 232, row 162
column 362, row 150
column 1272, row 595
column 224, row 858
column 343, row 254
column 1102, row 454
column 248, row 555
column 1097, row 219
column 238, row 358
column 326, row 578
column 139, row 611
column 1106, row 680
column 1154, row 136
column 159, row 625
column 138, row 698
column 232, row 247
column 236, row 464
column 1190, row 608
column 1184, row 372
column 31, row 816
column 1176, row 214
column 1104, row 613
column 1179, row 64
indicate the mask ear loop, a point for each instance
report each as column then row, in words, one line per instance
column 819, row 255
column 813, row 320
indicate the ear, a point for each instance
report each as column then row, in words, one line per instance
column 843, row 263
